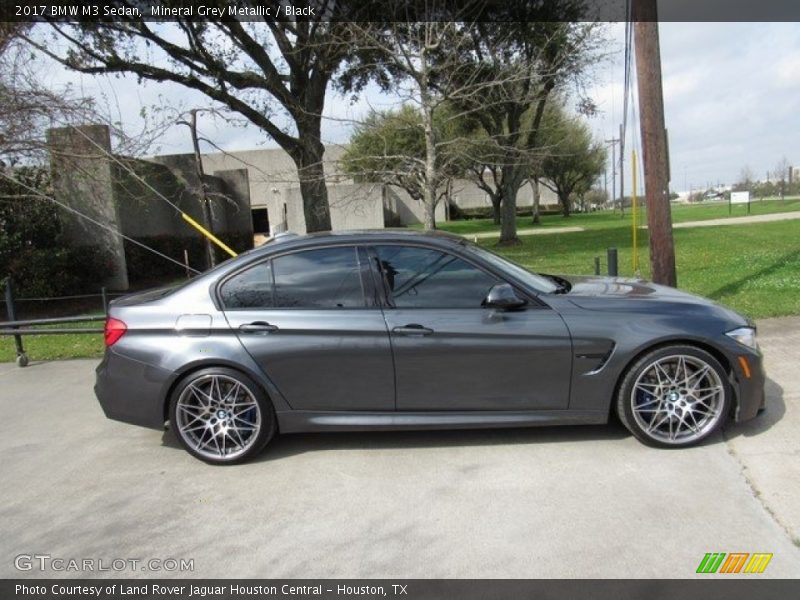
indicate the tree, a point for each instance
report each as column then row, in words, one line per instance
column 745, row 182
column 274, row 73
column 33, row 252
column 527, row 61
column 781, row 175
column 496, row 68
column 574, row 162
column 390, row 147
column 27, row 108
column 421, row 62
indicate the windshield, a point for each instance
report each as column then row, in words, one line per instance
column 532, row 279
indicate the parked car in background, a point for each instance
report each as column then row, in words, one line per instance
column 405, row 330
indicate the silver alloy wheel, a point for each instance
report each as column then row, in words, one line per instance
column 218, row 417
column 677, row 399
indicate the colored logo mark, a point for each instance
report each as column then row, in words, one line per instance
column 735, row 562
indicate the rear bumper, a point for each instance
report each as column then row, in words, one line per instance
column 131, row 391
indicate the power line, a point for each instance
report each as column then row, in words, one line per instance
column 627, row 67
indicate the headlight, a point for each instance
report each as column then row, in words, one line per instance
column 746, row 336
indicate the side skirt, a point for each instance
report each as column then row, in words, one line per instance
column 297, row 421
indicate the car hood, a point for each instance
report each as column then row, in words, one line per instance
column 617, row 293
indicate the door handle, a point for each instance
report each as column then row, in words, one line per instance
column 413, row 329
column 261, row 327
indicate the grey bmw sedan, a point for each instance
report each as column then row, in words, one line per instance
column 404, row 330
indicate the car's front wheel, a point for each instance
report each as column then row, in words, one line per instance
column 221, row 416
column 675, row 396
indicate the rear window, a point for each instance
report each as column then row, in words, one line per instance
column 324, row 279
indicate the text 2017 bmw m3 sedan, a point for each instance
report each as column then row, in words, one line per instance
column 403, row 330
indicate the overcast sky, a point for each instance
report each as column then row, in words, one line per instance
column 731, row 95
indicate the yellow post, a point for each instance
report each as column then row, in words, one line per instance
column 208, row 234
column 634, row 211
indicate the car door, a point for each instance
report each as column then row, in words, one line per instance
column 310, row 319
column 450, row 353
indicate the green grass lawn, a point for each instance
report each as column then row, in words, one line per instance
column 54, row 347
column 681, row 213
column 753, row 268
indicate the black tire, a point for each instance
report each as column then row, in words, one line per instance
column 247, row 410
column 673, row 406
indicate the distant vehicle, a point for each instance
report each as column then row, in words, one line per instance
column 404, row 330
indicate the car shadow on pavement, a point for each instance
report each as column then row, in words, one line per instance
column 300, row 443
column 288, row 445
column 774, row 412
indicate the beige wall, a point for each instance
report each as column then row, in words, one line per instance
column 353, row 206
column 398, row 202
column 467, row 194
column 272, row 179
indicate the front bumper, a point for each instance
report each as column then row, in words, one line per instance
column 749, row 390
column 131, row 391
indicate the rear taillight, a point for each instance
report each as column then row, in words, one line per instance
column 114, row 330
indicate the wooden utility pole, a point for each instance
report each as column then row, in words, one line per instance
column 654, row 143
column 198, row 163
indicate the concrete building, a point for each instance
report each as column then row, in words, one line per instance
column 142, row 200
column 277, row 206
column 251, row 193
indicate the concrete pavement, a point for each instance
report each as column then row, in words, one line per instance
column 786, row 216
column 528, row 231
column 557, row 502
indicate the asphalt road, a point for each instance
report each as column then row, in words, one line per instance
column 558, row 502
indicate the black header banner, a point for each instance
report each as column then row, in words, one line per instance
column 395, row 10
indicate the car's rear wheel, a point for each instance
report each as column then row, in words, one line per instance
column 675, row 396
column 221, row 416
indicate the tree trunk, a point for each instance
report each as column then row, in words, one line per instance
column 312, row 185
column 430, row 216
column 431, row 179
column 508, row 227
column 536, row 200
column 497, row 201
column 565, row 207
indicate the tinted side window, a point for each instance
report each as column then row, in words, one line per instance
column 325, row 278
column 249, row 289
column 424, row 278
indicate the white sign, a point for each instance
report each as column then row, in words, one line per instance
column 740, row 197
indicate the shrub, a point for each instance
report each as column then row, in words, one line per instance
column 32, row 251
column 145, row 267
column 48, row 272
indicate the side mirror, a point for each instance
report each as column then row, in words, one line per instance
column 504, row 297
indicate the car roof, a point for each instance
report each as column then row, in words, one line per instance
column 283, row 242
column 362, row 236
